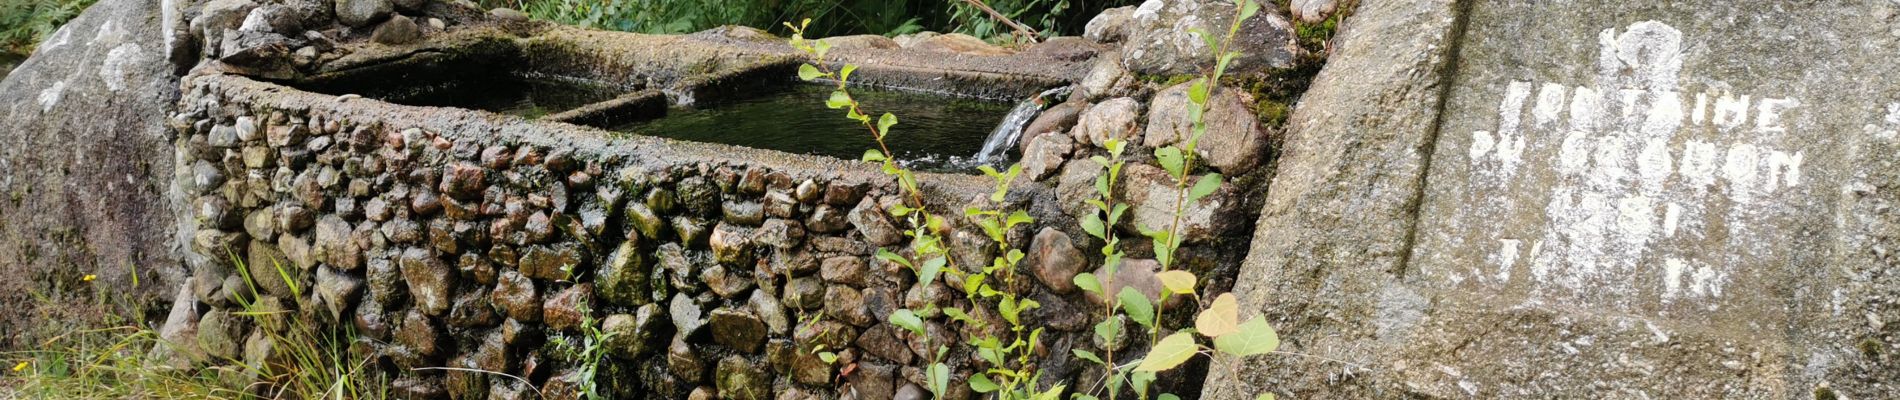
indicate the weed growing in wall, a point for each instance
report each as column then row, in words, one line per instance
column 1010, row 373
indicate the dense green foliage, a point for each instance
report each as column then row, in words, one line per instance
column 23, row 23
column 830, row 17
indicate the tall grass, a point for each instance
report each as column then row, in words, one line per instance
column 111, row 358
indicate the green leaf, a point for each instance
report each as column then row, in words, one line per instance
column 1140, row 381
column 1206, row 38
column 887, row 255
column 809, row 72
column 1088, row 282
column 821, row 48
column 1168, row 353
column 1254, row 337
column 981, row 383
column 1177, row 281
column 1170, row 159
column 1087, row 355
column 1137, row 305
column 872, row 155
column 938, row 375
column 928, row 272
column 1092, row 223
column 884, row 124
column 1018, row 218
column 1109, row 330
column 1167, row 396
column 904, row 318
column 1247, row 9
column 1206, row 186
column 828, row 357
column 839, row 99
column 1264, row 396
column 845, row 75
column 1197, row 92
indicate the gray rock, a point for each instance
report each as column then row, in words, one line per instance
column 634, row 335
column 566, row 309
column 1055, row 119
column 827, row 219
column 646, row 221
column 958, row 43
column 862, row 42
column 871, row 222
column 1109, row 26
column 1160, row 39
column 843, row 269
column 748, row 213
column 430, row 280
column 875, row 381
column 910, row 391
column 219, row 335
column 725, row 281
column 334, row 245
column 338, row 290
column 1234, row 143
column 362, row 13
column 1044, row 155
column 881, row 340
column 731, row 245
column 418, row 341
column 1111, row 119
column 738, row 329
column 516, row 296
column 779, row 233
column 684, row 361
column 739, row 378
column 472, row 309
column 686, row 314
column 623, row 279
column 507, row 14
column 177, row 346
column 553, row 262
column 1312, row 11
column 1105, row 78
column 1151, row 194
column 770, row 311
column 1055, row 261
column 805, row 293
column 93, row 157
column 847, row 304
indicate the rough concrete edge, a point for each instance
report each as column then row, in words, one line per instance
column 1286, row 227
column 947, row 189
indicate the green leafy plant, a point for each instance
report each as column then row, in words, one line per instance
column 1220, row 322
column 585, row 351
column 1011, row 374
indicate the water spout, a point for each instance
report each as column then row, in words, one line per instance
column 1011, row 129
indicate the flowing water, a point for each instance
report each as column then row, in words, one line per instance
column 1000, row 140
column 933, row 132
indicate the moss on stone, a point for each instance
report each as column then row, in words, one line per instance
column 1824, row 393
column 1872, row 348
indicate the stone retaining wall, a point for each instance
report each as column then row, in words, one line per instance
column 454, row 238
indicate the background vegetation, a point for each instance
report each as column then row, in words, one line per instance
column 829, row 17
column 23, row 23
